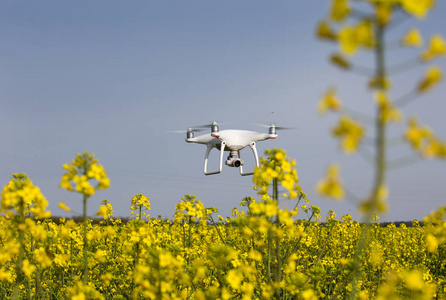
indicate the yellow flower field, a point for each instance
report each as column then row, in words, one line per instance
column 248, row 256
column 261, row 251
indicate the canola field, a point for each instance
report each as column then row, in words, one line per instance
column 246, row 256
column 261, row 251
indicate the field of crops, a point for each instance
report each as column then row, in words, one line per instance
column 247, row 256
column 261, row 251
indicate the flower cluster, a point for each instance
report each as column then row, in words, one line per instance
column 139, row 202
column 351, row 133
column 330, row 100
column 105, row 210
column 21, row 196
column 331, row 185
column 388, row 111
column 81, row 171
column 423, row 140
column 279, row 168
column 189, row 209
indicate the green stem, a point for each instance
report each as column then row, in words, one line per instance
column 218, row 230
column 380, row 162
column 19, row 265
column 268, row 267
column 84, row 218
column 380, row 170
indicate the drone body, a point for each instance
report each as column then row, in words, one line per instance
column 232, row 140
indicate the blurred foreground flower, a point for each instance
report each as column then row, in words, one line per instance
column 22, row 197
column 331, row 185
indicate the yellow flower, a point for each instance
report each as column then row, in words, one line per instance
column 416, row 135
column 27, row 268
column 329, row 101
column 350, row 131
column 376, row 255
column 435, row 148
column 414, row 280
column 83, row 169
column 431, row 78
column 106, row 278
column 104, row 183
column 339, row 9
column 388, row 111
column 324, row 31
column 309, row 295
column 412, row 38
column 102, row 211
column 418, row 8
column 63, row 206
column 100, row 255
column 431, row 243
column 5, row 275
column 234, row 278
column 279, row 168
column 42, row 258
column 20, row 194
column 364, row 34
column 165, row 259
column 352, row 37
column 331, row 185
column 437, row 47
column 347, row 40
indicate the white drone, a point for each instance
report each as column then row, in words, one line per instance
column 232, row 140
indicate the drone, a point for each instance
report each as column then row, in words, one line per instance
column 232, row 140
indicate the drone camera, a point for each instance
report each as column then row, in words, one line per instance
column 234, row 162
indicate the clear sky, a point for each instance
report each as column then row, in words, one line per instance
column 112, row 77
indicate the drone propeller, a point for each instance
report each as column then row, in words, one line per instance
column 276, row 127
column 188, row 130
column 209, row 125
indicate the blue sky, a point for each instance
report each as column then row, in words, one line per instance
column 111, row 77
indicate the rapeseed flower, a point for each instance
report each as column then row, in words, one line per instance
column 20, row 196
column 388, row 111
column 324, row 31
column 331, row 185
column 329, row 101
column 412, row 38
column 437, row 47
column 431, row 78
column 417, row 8
column 417, row 135
column 63, row 206
column 81, row 171
column 350, row 132
column 340, row 9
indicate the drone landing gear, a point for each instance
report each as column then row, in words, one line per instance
column 208, row 150
column 233, row 160
column 254, row 151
